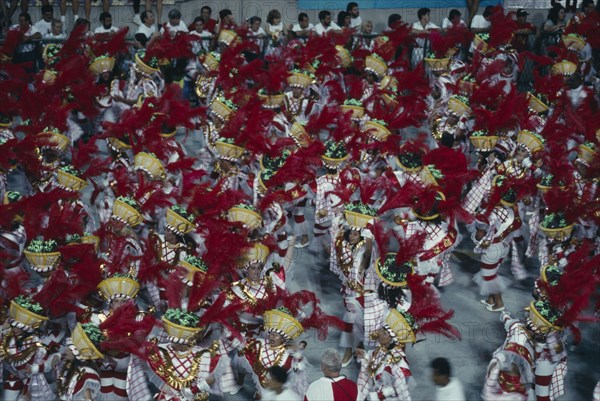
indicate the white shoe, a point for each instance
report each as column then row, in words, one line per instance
column 137, row 20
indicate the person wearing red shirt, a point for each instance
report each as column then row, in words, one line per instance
column 520, row 40
column 209, row 23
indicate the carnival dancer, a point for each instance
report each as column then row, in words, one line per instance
column 93, row 345
column 256, row 287
column 327, row 204
column 391, row 277
column 441, row 234
column 510, row 372
column 352, row 247
column 259, row 354
column 535, row 347
column 78, row 377
column 181, row 368
column 385, row 373
column 495, row 229
column 25, row 357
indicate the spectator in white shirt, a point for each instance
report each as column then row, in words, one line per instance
column 175, row 23
column 276, row 390
column 257, row 32
column 481, row 23
column 107, row 26
column 325, row 24
column 424, row 23
column 147, row 30
column 24, row 25
column 56, row 30
column 356, row 21
column 333, row 386
column 303, row 28
column 447, row 388
column 202, row 45
column 453, row 20
column 26, row 51
column 45, row 24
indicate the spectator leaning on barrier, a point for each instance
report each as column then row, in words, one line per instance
column 257, row 31
column 343, row 20
column 147, row 30
column 554, row 26
column 423, row 25
column 56, row 30
column 107, row 27
column 203, row 44
column 520, row 40
column 587, row 7
column 555, row 20
column 226, row 19
column 481, row 23
column 45, row 24
column 365, row 42
column 325, row 23
column 175, row 23
column 275, row 27
column 26, row 51
column 209, row 23
column 352, row 9
column 303, row 28
column 454, row 19
column 393, row 19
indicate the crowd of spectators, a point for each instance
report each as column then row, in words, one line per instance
column 271, row 32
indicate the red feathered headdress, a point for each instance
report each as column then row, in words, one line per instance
column 126, row 329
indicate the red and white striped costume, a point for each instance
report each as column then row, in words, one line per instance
column 296, row 109
column 480, row 191
column 79, row 381
column 375, row 309
column 258, row 356
column 183, row 375
column 327, row 205
column 12, row 244
column 504, row 221
column 502, row 382
column 384, row 375
column 113, row 377
column 550, row 366
column 250, row 294
column 349, row 264
column 20, row 355
column 300, row 195
column 587, row 191
column 440, row 238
